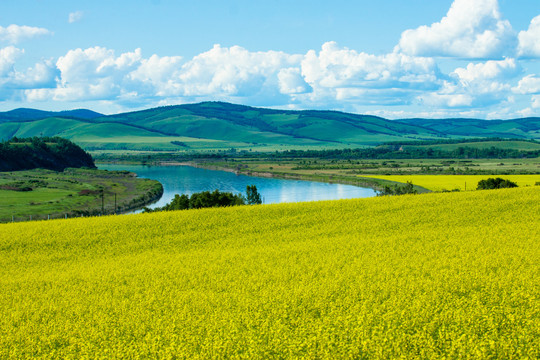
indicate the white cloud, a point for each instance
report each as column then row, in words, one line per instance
column 477, row 85
column 8, row 57
column 158, row 73
column 535, row 101
column 41, row 75
column 292, row 82
column 233, row 71
column 13, row 82
column 487, row 74
column 529, row 41
column 336, row 67
column 530, row 84
column 14, row 34
column 339, row 74
column 471, row 29
column 75, row 17
column 94, row 73
column 333, row 78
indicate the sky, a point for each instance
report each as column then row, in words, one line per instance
column 392, row 58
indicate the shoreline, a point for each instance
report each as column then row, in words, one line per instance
column 362, row 182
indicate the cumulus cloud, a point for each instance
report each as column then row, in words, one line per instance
column 341, row 74
column 478, row 85
column 225, row 73
column 530, row 84
column 13, row 81
column 328, row 79
column 292, row 82
column 41, row 75
column 8, row 57
column 94, row 73
column 158, row 73
column 529, row 41
column 233, row 71
column 471, row 29
column 489, row 71
column 341, row 67
column 75, row 17
column 14, row 34
column 334, row 77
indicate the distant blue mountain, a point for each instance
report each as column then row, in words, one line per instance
column 23, row 114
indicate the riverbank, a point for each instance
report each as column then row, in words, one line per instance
column 45, row 194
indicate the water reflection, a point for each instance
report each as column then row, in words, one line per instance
column 189, row 180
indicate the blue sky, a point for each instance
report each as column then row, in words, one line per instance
column 396, row 59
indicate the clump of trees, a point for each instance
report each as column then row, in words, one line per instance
column 208, row 199
column 53, row 153
column 407, row 188
column 495, row 183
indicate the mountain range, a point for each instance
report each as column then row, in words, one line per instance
column 219, row 125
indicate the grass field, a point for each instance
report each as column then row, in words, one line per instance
column 452, row 182
column 60, row 194
column 435, row 276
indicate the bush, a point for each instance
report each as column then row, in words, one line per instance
column 398, row 190
column 495, row 183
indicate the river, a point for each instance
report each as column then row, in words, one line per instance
column 189, row 180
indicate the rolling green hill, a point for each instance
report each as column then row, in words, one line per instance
column 219, row 121
column 218, row 125
column 526, row 128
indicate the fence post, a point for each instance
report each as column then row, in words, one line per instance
column 48, row 217
column 12, row 218
column 30, row 217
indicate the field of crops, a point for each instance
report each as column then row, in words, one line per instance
column 447, row 275
column 451, row 182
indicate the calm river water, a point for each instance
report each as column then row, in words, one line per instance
column 188, row 180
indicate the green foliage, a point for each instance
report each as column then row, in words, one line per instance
column 205, row 199
column 252, row 195
column 407, row 188
column 51, row 153
column 495, row 183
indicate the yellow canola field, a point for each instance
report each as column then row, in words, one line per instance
column 451, row 182
column 434, row 276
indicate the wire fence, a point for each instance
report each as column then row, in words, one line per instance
column 45, row 217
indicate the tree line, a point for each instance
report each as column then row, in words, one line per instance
column 207, row 199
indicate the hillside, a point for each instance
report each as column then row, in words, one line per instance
column 51, row 153
column 218, row 125
column 217, row 120
column 32, row 114
column 517, row 128
column 435, row 276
